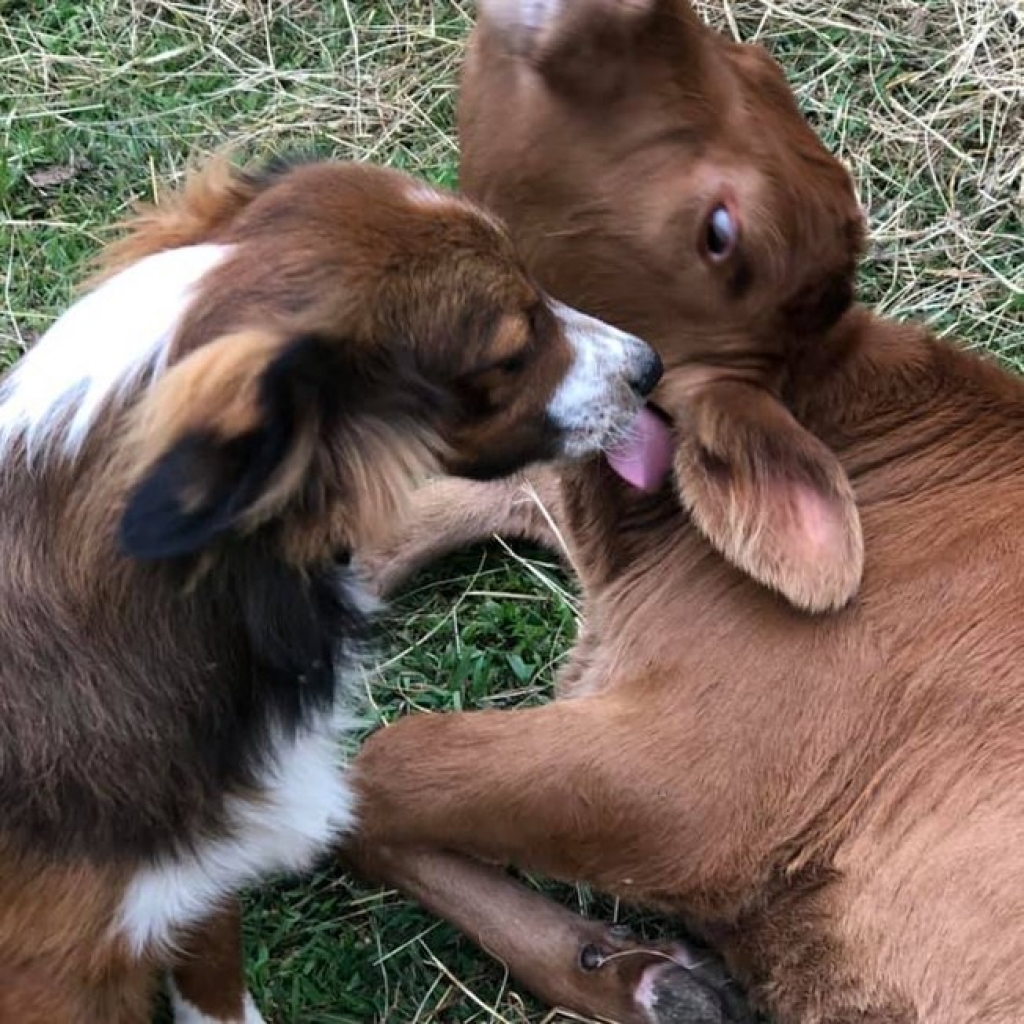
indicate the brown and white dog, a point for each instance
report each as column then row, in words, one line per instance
column 186, row 460
column 837, row 800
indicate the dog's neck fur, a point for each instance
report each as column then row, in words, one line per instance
column 269, row 638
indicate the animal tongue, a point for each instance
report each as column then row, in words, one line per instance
column 644, row 459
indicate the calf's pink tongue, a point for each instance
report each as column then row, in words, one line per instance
column 645, row 458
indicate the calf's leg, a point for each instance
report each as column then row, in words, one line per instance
column 448, row 514
column 548, row 790
column 566, row 960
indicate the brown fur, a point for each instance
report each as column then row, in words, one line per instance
column 168, row 602
column 72, row 973
column 216, row 389
column 767, row 493
column 213, row 195
column 837, row 801
column 208, row 973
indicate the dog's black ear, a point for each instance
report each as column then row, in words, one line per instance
column 769, row 495
column 225, row 438
column 195, row 492
column 578, row 45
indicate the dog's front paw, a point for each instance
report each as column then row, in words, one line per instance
column 186, row 1012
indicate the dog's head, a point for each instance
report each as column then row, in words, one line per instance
column 662, row 177
column 362, row 330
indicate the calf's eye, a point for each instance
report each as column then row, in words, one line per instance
column 720, row 233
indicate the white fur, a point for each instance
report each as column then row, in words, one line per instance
column 537, row 13
column 107, row 341
column 295, row 812
column 594, row 405
column 186, row 1013
column 529, row 16
column 302, row 805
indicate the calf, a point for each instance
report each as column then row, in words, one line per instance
column 794, row 712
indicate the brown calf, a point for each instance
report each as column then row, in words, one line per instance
column 836, row 800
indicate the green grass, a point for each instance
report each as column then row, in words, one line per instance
column 101, row 100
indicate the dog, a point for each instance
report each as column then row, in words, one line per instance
column 187, row 460
column 793, row 714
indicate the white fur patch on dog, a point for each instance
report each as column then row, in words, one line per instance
column 185, row 1013
column 594, row 405
column 301, row 806
column 109, row 340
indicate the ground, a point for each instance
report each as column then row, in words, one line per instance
column 104, row 101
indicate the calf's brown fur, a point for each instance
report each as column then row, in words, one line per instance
column 836, row 800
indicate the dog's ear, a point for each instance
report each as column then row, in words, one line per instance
column 577, row 44
column 769, row 495
column 223, row 440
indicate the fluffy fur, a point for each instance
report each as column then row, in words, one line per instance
column 187, row 460
column 104, row 346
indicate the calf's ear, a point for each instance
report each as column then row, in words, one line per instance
column 578, row 45
column 769, row 495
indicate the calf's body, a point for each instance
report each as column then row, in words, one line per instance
column 814, row 758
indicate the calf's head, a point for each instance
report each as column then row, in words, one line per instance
column 661, row 176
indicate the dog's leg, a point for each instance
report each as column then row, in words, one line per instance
column 581, row 790
column 448, row 514
column 563, row 958
column 208, row 986
column 32, row 994
column 43, row 992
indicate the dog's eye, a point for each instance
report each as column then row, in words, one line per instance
column 720, row 234
column 508, row 366
column 513, row 364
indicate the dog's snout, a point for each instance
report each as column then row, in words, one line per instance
column 611, row 373
column 648, row 373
